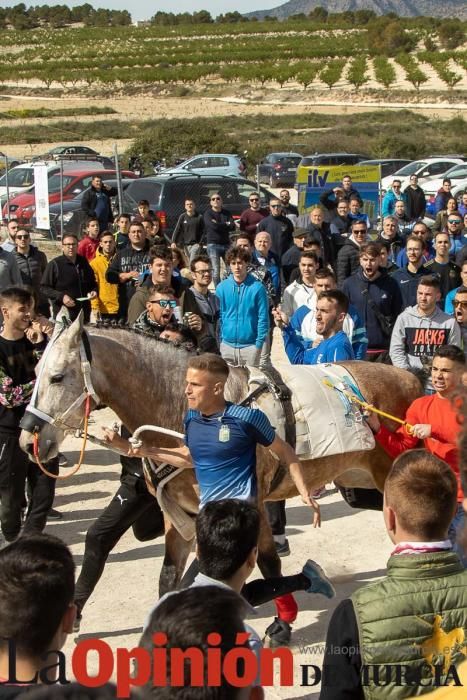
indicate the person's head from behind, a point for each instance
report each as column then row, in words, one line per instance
column 184, row 621
column 37, row 585
column 206, row 377
column 447, row 369
column 420, row 498
column 227, row 534
column 17, row 307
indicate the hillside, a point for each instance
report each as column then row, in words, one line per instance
column 404, row 8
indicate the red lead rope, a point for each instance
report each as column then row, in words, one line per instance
column 35, row 444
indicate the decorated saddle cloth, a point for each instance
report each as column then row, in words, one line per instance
column 327, row 422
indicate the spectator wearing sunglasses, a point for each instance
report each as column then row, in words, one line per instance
column 218, row 224
column 31, row 263
column 251, row 217
column 160, row 308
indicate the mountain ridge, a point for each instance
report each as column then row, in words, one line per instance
column 455, row 9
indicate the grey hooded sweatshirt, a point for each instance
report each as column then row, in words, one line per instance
column 416, row 337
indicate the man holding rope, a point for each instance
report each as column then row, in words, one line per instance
column 433, row 419
column 220, row 444
column 21, row 343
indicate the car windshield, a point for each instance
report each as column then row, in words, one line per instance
column 19, row 177
column 290, row 162
column 411, row 167
column 457, row 172
column 54, row 182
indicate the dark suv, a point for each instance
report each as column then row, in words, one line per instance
column 333, row 159
column 279, row 169
column 166, row 195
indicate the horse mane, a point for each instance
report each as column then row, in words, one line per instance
column 112, row 326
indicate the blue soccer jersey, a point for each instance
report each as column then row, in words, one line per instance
column 223, row 449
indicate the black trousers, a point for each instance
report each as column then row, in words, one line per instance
column 15, row 467
column 260, row 590
column 275, row 510
column 132, row 506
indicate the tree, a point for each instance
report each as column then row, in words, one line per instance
column 451, row 34
column 388, row 37
column 384, row 71
column 356, row 72
column 331, row 74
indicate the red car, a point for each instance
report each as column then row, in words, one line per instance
column 23, row 206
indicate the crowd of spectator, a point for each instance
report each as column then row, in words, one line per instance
column 335, row 287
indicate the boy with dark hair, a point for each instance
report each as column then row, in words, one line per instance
column 414, row 620
column 37, row 583
column 88, row 245
column 18, row 358
column 187, row 619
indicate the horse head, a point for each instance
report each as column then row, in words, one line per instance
column 62, row 385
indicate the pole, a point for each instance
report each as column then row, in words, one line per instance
column 119, row 180
column 7, row 188
column 61, row 199
column 257, row 175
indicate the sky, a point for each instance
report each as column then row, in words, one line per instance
column 144, row 9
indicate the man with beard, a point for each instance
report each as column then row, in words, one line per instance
column 251, row 217
column 331, row 310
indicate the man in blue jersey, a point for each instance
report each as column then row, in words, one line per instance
column 331, row 309
column 220, row 443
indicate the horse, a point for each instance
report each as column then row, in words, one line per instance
column 142, row 379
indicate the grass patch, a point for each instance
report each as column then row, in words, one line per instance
column 47, row 113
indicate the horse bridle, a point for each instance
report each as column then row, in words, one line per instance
column 34, row 419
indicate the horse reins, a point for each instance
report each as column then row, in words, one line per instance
column 72, row 472
column 85, row 397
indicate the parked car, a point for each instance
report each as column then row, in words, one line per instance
column 424, row 169
column 166, row 194
column 12, row 162
column 333, row 159
column 458, row 177
column 279, row 169
column 74, row 217
column 388, row 165
column 211, row 164
column 23, row 206
column 77, row 150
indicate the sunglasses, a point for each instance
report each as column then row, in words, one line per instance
column 215, row 199
column 165, row 303
column 454, row 221
column 20, row 236
column 463, row 304
column 276, row 206
column 254, row 199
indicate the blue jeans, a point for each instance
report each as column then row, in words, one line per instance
column 455, row 528
column 216, row 251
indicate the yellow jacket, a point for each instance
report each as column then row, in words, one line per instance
column 107, row 300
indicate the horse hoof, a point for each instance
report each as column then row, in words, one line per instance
column 278, row 634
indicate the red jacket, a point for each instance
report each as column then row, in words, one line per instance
column 87, row 247
column 445, row 428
